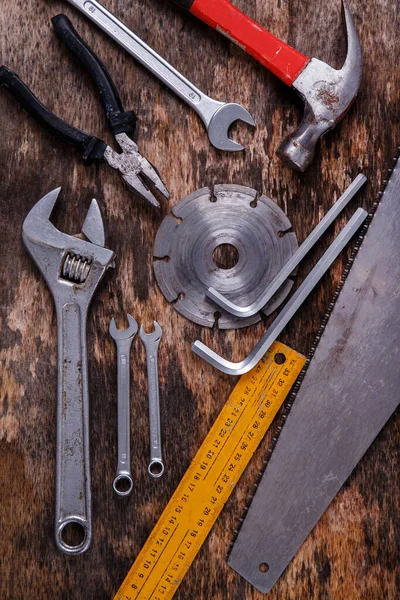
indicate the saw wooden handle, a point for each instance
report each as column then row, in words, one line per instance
column 280, row 58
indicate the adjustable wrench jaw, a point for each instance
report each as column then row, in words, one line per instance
column 328, row 94
column 51, row 249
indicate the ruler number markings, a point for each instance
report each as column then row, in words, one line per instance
column 196, row 503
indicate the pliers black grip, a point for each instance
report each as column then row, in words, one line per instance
column 136, row 170
column 119, row 121
column 92, row 147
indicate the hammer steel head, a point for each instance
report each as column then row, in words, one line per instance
column 124, row 334
column 328, row 94
column 221, row 121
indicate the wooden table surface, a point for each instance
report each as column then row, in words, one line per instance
column 353, row 552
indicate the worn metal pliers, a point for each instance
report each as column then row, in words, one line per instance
column 136, row 170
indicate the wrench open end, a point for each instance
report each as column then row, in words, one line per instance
column 154, row 336
column 123, row 334
column 220, row 123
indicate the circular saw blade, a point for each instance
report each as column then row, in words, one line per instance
column 205, row 220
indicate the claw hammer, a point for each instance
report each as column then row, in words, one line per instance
column 327, row 93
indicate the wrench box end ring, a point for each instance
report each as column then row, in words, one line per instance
column 156, row 469
column 79, row 548
column 125, row 479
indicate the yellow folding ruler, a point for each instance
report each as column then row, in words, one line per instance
column 207, row 484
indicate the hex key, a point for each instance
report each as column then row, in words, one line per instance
column 293, row 262
column 232, row 368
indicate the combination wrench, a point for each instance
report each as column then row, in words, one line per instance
column 123, row 338
column 151, row 342
column 216, row 116
column 73, row 269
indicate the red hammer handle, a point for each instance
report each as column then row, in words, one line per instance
column 282, row 60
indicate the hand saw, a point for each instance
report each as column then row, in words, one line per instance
column 347, row 393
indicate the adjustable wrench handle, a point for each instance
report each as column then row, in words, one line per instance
column 73, row 497
column 280, row 58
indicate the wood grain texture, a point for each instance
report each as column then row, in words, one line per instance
column 353, row 553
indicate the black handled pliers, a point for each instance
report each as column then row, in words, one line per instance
column 136, row 170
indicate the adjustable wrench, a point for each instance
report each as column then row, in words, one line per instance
column 151, row 342
column 123, row 482
column 73, row 269
column 216, row 116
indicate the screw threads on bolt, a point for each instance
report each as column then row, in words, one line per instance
column 76, row 268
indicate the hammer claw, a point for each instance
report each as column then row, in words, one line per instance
column 327, row 93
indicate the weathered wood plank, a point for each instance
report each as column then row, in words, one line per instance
column 353, row 552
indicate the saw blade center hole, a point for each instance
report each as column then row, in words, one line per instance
column 226, row 256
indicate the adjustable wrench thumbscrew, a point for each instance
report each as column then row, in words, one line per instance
column 73, row 269
column 123, row 482
column 151, row 342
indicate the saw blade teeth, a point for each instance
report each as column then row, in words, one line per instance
column 162, row 244
column 189, row 204
column 295, row 390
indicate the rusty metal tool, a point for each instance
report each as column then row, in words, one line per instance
column 136, row 170
column 346, row 393
column 289, row 310
column 73, row 269
column 123, row 338
column 327, row 93
column 216, row 116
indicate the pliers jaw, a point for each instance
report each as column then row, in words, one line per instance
column 136, row 170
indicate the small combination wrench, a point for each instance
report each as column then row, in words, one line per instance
column 73, row 269
column 216, row 116
column 151, row 342
column 123, row 482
